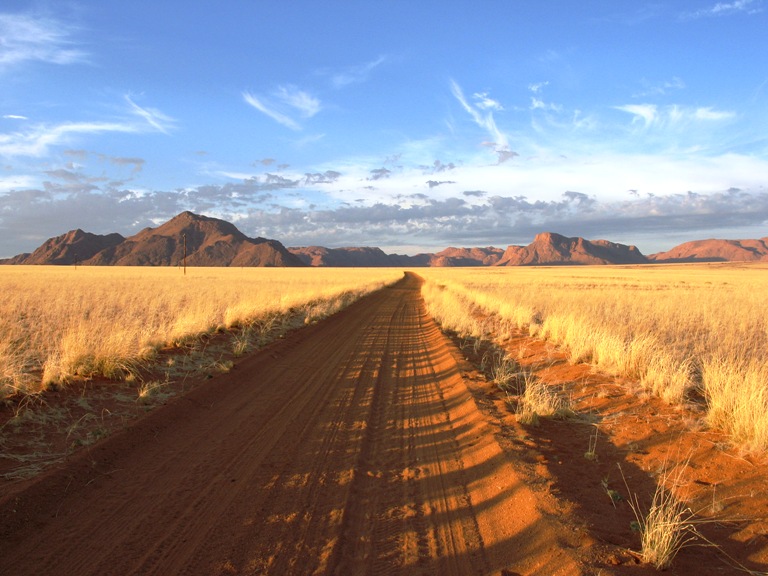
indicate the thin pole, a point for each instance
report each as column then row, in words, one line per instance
column 185, row 254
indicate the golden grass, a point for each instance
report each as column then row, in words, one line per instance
column 59, row 322
column 668, row 525
column 679, row 330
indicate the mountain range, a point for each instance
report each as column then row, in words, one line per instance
column 204, row 241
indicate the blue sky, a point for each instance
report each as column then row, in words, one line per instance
column 411, row 126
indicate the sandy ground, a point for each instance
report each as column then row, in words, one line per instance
column 352, row 447
column 367, row 444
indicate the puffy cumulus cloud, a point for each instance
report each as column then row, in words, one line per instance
column 380, row 174
column 433, row 183
column 505, row 154
column 476, row 218
column 513, row 220
column 437, row 167
column 327, row 177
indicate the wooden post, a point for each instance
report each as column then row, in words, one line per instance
column 185, row 254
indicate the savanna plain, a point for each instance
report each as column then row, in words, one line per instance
column 622, row 413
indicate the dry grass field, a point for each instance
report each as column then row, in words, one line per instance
column 627, row 402
column 60, row 322
column 684, row 332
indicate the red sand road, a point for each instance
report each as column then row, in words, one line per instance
column 351, row 447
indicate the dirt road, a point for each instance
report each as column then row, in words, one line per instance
column 352, row 447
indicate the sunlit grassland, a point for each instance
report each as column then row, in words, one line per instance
column 61, row 322
column 681, row 331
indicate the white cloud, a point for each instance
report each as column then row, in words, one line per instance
column 356, row 74
column 484, row 102
column 306, row 104
column 37, row 140
column 285, row 101
column 153, row 117
column 16, row 182
column 482, row 114
column 709, row 114
column 660, row 88
column 728, row 8
column 647, row 113
column 27, row 37
column 478, row 205
column 15, row 117
column 274, row 114
column 674, row 115
column 538, row 104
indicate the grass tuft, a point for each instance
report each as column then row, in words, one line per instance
column 668, row 525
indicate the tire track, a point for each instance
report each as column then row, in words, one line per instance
column 352, row 448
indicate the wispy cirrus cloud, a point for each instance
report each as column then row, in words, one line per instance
column 481, row 110
column 37, row 140
column 356, row 74
column 651, row 115
column 727, row 9
column 34, row 38
column 659, row 88
column 153, row 117
column 278, row 117
column 284, row 103
column 306, row 104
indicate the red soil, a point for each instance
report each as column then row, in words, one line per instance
column 366, row 444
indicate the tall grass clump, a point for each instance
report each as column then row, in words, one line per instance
column 737, row 401
column 668, row 525
column 539, row 400
column 681, row 331
column 57, row 323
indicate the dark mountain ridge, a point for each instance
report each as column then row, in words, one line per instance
column 205, row 241
column 549, row 249
column 715, row 250
column 210, row 241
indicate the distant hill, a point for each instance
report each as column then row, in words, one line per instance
column 714, row 250
column 360, row 257
column 209, row 242
column 214, row 242
column 550, row 249
column 467, row 257
column 375, row 257
column 71, row 248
